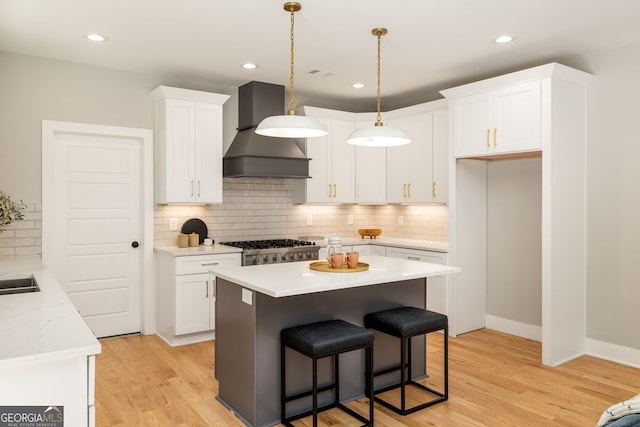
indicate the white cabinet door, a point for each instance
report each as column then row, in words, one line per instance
column 518, row 119
column 410, row 167
column 188, row 146
column 178, row 169
column 208, row 153
column 371, row 175
column 371, row 172
column 440, row 180
column 343, row 158
column 318, row 187
column 193, row 303
column 502, row 121
column 332, row 165
column 437, row 298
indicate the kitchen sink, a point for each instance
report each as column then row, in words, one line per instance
column 18, row 285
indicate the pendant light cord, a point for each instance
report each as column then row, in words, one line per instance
column 378, row 117
column 292, row 96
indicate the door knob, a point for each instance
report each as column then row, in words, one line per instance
column 135, row 244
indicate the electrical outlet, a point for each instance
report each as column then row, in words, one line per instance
column 400, row 220
column 173, row 224
column 247, row 296
column 350, row 219
column 309, row 219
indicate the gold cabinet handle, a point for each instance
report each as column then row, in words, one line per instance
column 206, row 284
column 404, row 190
column 409, row 189
column 330, row 190
column 495, row 133
column 433, row 189
column 334, row 190
column 198, row 188
column 192, row 188
column 488, row 135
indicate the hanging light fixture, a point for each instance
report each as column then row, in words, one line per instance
column 378, row 135
column 291, row 125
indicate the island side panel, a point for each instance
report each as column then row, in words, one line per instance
column 275, row 314
column 235, row 350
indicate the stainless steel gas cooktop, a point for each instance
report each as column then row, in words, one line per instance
column 275, row 250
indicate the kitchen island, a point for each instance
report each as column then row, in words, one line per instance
column 254, row 303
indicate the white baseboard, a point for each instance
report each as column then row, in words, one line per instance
column 600, row 349
column 512, row 327
column 613, row 352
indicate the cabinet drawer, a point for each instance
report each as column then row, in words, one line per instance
column 418, row 255
column 202, row 263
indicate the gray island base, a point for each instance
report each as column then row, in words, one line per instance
column 248, row 325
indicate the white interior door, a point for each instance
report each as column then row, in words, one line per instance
column 92, row 242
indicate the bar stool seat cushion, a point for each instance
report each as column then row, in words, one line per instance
column 406, row 321
column 326, row 338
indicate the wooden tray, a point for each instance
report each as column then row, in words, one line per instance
column 324, row 266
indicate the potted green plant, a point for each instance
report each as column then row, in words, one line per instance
column 9, row 210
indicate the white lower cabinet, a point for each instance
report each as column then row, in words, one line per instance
column 186, row 296
column 437, row 292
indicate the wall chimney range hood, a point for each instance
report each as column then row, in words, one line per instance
column 253, row 155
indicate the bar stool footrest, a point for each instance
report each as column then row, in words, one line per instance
column 441, row 397
column 367, row 423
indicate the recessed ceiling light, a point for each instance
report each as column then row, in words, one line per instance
column 504, row 39
column 357, row 85
column 96, row 37
column 249, row 66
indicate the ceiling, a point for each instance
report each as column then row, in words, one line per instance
column 431, row 44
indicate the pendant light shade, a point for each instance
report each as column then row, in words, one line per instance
column 378, row 135
column 290, row 125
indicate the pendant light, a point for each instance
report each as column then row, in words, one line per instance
column 291, row 125
column 378, row 135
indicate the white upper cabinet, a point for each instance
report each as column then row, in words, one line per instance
column 343, row 173
column 332, row 165
column 501, row 121
column 440, row 180
column 371, row 170
column 188, row 146
column 418, row 172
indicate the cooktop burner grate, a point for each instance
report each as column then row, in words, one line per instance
column 269, row 244
column 275, row 250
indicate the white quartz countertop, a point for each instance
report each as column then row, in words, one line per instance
column 198, row 250
column 425, row 245
column 296, row 278
column 39, row 325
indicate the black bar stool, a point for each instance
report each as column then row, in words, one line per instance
column 324, row 339
column 405, row 323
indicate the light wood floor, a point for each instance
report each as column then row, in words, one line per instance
column 495, row 379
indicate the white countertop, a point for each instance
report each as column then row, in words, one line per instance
column 425, row 245
column 296, row 278
column 198, row 250
column 40, row 325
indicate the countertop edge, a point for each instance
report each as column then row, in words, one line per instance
column 239, row 275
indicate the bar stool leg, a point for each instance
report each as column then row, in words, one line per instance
column 336, row 380
column 315, row 392
column 282, row 382
column 403, row 371
column 369, row 379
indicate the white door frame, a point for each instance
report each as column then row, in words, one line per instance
column 145, row 136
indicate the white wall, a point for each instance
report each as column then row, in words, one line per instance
column 514, row 240
column 613, row 198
